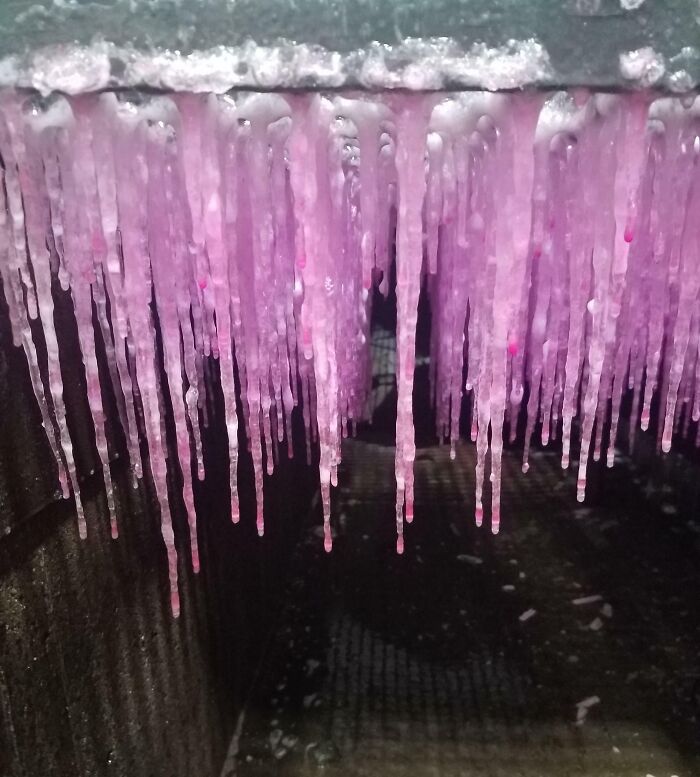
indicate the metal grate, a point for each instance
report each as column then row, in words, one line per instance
column 421, row 665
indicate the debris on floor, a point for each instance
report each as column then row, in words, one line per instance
column 401, row 669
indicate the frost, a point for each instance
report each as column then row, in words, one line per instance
column 644, row 65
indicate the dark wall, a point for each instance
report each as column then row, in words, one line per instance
column 96, row 677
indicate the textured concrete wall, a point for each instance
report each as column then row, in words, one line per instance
column 96, row 678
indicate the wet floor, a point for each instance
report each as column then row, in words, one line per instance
column 567, row 645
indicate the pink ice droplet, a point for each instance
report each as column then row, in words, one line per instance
column 479, row 515
column 512, row 347
column 400, row 545
column 328, row 543
column 409, row 511
column 629, row 235
column 580, row 489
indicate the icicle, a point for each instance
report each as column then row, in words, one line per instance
column 559, row 246
column 220, row 207
column 102, row 118
column 259, row 323
column 606, row 130
column 169, row 265
column 33, row 213
column 433, row 199
column 191, row 149
column 367, row 117
column 512, row 240
column 689, row 267
column 411, row 129
column 22, row 335
column 309, row 179
column 83, row 239
column 283, row 278
column 132, row 180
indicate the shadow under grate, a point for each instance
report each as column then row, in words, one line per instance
column 425, row 664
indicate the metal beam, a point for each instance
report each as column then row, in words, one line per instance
column 79, row 45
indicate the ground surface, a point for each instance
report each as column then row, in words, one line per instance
column 421, row 665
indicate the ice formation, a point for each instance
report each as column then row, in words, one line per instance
column 558, row 237
column 409, row 63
